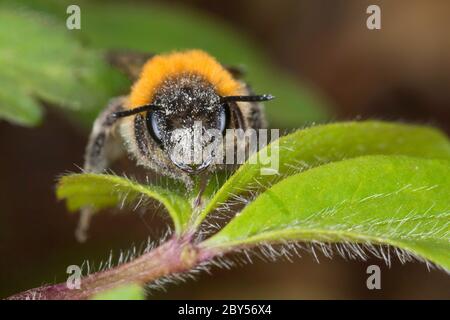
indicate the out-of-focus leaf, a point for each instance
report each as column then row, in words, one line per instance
column 16, row 105
column 393, row 200
column 126, row 292
column 314, row 146
column 40, row 59
column 100, row 191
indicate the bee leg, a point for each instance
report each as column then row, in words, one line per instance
column 104, row 146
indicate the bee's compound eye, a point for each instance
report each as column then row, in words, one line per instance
column 154, row 125
column 223, row 118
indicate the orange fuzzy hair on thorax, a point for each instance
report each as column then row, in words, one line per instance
column 161, row 67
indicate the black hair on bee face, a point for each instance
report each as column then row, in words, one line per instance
column 139, row 130
column 183, row 101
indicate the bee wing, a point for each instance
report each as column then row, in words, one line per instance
column 131, row 62
column 128, row 62
column 237, row 71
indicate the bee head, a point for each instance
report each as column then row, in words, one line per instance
column 181, row 104
column 188, row 117
column 185, row 119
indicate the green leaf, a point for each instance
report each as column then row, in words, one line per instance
column 42, row 60
column 126, row 292
column 17, row 106
column 314, row 146
column 100, row 191
column 158, row 28
column 392, row 200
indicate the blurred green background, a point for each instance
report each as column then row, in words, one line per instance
column 317, row 57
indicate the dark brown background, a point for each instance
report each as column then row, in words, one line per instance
column 401, row 72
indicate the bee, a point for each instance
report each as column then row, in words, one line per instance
column 171, row 92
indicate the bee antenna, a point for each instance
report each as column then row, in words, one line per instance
column 264, row 97
column 127, row 113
